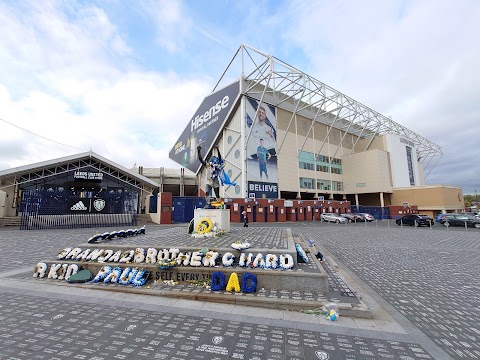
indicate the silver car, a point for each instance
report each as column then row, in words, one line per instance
column 331, row 217
column 367, row 217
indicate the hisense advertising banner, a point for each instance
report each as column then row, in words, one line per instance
column 204, row 127
column 261, row 141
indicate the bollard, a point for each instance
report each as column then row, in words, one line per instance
column 388, row 222
column 466, row 227
column 430, row 224
column 401, row 223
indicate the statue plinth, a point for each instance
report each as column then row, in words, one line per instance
column 219, row 217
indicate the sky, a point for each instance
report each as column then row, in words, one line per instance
column 123, row 78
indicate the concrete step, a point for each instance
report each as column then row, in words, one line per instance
column 144, row 219
column 10, row 221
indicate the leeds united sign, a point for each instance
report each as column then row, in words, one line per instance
column 86, row 175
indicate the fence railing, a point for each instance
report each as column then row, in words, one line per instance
column 73, row 221
column 52, row 210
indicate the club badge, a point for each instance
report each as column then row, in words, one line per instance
column 99, row 204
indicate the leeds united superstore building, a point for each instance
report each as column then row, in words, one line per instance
column 286, row 135
column 85, row 183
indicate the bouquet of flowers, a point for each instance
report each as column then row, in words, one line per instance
column 240, row 245
column 166, row 264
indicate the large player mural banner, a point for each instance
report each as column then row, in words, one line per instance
column 204, row 127
column 261, row 140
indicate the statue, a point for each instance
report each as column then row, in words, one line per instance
column 215, row 174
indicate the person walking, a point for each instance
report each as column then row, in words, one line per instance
column 245, row 219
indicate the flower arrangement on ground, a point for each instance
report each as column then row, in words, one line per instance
column 240, row 245
column 166, row 264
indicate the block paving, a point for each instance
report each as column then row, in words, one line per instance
column 427, row 280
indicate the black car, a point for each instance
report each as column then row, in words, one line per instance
column 415, row 219
column 460, row 220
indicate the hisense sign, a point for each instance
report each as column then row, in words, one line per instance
column 204, row 126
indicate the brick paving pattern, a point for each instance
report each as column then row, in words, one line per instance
column 432, row 278
column 271, row 238
column 33, row 329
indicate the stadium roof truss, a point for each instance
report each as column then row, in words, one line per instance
column 268, row 78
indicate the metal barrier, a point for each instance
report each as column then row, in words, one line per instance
column 37, row 222
column 56, row 210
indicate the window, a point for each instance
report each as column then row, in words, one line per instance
column 323, row 184
column 410, row 165
column 307, row 183
column 322, row 168
column 337, row 185
column 306, row 165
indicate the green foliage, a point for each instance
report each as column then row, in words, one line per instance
column 469, row 199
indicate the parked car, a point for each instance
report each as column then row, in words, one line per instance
column 415, row 219
column 330, row 217
column 359, row 217
column 349, row 217
column 440, row 217
column 460, row 220
column 452, row 216
column 365, row 217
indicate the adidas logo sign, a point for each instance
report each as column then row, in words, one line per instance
column 79, row 206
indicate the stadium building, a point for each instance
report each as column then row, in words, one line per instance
column 286, row 135
column 293, row 146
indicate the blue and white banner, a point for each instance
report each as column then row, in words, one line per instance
column 261, row 141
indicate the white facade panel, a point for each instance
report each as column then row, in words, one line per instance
column 403, row 173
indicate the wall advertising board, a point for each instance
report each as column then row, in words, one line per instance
column 77, row 205
column 262, row 190
column 261, row 144
column 204, row 127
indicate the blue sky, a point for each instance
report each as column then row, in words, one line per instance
column 122, row 78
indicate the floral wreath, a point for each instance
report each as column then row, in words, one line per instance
column 204, row 226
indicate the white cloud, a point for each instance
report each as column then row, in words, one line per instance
column 415, row 61
column 172, row 25
column 66, row 87
column 69, row 71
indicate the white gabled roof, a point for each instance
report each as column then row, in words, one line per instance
column 21, row 170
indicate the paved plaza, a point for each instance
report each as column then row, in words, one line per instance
column 421, row 284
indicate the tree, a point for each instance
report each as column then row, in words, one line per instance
column 468, row 199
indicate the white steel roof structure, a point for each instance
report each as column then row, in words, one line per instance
column 45, row 169
column 272, row 80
